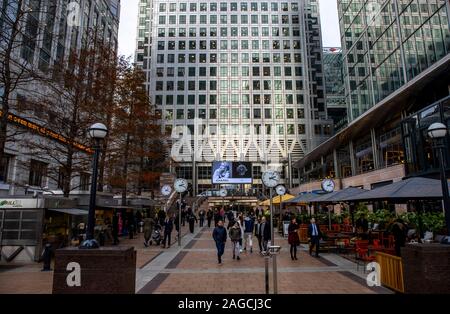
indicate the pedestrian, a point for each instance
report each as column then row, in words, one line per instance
column 183, row 216
column 176, row 222
column 130, row 225
column 191, row 220
column 315, row 235
column 241, row 225
column 258, row 233
column 168, row 227
column 231, row 219
column 161, row 217
column 293, row 238
column 249, row 224
column 115, row 229
column 201, row 216
column 220, row 237
column 235, row 236
column 217, row 218
column 209, row 217
column 400, row 231
column 266, row 232
column 149, row 223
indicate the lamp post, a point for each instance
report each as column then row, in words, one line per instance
column 437, row 132
column 97, row 131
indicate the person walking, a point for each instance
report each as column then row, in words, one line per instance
column 191, row 220
column 399, row 230
column 217, row 218
column 266, row 232
column 220, row 237
column 115, row 229
column 249, row 225
column 131, row 225
column 209, row 217
column 293, row 238
column 201, row 216
column 148, row 229
column 235, row 236
column 258, row 233
column 315, row 235
column 241, row 225
column 168, row 227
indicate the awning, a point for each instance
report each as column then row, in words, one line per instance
column 70, row 211
column 277, row 200
column 416, row 188
column 339, row 196
column 301, row 199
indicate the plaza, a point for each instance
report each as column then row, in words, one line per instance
column 193, row 269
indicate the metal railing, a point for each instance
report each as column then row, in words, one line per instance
column 391, row 271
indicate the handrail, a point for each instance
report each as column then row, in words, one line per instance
column 391, row 271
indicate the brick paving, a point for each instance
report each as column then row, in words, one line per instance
column 194, row 269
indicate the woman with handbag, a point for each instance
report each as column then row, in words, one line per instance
column 293, row 238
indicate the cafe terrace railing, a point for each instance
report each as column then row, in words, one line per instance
column 391, row 271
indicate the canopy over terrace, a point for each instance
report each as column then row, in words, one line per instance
column 338, row 196
column 277, row 200
column 416, row 188
column 302, row 199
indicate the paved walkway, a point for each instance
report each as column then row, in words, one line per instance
column 193, row 268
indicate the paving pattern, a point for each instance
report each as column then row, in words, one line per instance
column 193, row 268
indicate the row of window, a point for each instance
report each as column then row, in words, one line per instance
column 245, row 129
column 232, row 57
column 225, row 99
column 233, row 31
column 234, row 44
column 224, row 6
column 38, row 174
column 233, row 19
column 225, row 71
column 235, row 85
column 234, row 113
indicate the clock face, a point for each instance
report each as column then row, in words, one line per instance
column 181, row 185
column 270, row 178
column 166, row 190
column 328, row 185
column 281, row 190
column 223, row 192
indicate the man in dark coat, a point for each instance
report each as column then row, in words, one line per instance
column 115, row 229
column 220, row 237
column 315, row 235
column 168, row 227
column 209, row 217
column 191, row 220
column 265, row 232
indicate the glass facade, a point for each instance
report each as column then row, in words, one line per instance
column 244, row 70
column 387, row 44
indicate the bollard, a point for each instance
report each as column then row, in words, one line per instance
column 47, row 257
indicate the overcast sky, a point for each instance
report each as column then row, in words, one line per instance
column 129, row 12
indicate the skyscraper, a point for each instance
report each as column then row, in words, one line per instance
column 246, row 77
column 396, row 65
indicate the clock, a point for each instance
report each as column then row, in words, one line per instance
column 271, row 178
column 281, row 190
column 166, row 190
column 223, row 192
column 180, row 185
column 328, row 185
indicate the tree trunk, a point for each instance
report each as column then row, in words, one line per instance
column 125, row 170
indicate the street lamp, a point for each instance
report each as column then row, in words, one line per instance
column 437, row 132
column 97, row 131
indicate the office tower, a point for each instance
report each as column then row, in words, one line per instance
column 247, row 75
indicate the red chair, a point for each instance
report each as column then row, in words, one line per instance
column 336, row 227
column 362, row 254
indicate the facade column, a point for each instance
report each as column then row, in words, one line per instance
column 352, row 158
column 337, row 171
column 375, row 153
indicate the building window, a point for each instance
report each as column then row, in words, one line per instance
column 38, row 171
column 85, row 179
column 4, row 166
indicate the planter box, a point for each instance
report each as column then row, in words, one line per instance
column 426, row 268
column 104, row 270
